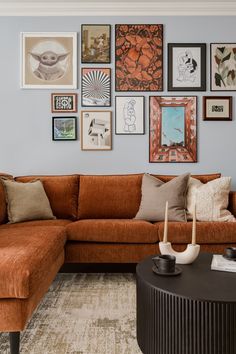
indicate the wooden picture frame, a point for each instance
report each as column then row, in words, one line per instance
column 173, row 129
column 184, row 61
column 217, row 108
column 96, row 130
column 64, row 128
column 130, row 115
column 64, row 102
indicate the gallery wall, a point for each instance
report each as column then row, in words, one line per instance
column 26, row 145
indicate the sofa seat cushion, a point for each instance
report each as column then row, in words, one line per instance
column 26, row 255
column 58, row 222
column 62, row 192
column 112, row 230
column 209, row 232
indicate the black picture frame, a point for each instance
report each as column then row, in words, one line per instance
column 88, row 82
column 202, row 86
column 84, row 61
column 206, row 117
column 143, row 113
column 54, row 137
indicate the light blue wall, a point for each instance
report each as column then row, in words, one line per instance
column 26, row 146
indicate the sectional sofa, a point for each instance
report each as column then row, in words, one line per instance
column 94, row 224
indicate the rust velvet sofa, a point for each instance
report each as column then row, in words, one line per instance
column 94, row 224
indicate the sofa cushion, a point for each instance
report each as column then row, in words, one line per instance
column 46, row 223
column 3, row 204
column 203, row 178
column 207, row 232
column 26, row 255
column 109, row 197
column 62, row 192
column 112, row 230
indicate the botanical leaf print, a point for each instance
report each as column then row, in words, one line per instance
column 225, row 61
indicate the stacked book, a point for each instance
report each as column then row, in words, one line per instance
column 222, row 264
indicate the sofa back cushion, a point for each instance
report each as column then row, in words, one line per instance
column 3, row 204
column 109, row 197
column 62, row 192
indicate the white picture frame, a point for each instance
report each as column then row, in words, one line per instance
column 129, row 118
column 48, row 60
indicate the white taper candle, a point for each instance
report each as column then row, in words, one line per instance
column 194, row 226
column 166, row 224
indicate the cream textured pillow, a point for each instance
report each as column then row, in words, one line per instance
column 156, row 193
column 211, row 199
column 26, row 201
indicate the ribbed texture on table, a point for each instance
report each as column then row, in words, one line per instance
column 168, row 324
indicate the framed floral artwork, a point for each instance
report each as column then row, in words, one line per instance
column 96, row 44
column 96, row 87
column 139, row 57
column 217, row 108
column 49, row 60
column 173, row 129
column 129, row 115
column 186, row 67
column 64, row 102
column 64, row 128
column 223, row 66
column 96, row 130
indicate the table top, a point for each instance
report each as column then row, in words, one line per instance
column 197, row 281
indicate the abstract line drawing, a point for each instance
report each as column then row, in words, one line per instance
column 129, row 115
column 96, row 87
column 187, row 67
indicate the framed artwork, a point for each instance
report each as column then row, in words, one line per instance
column 96, row 130
column 129, row 115
column 186, row 67
column 49, row 60
column 64, row 128
column 64, row 102
column 139, row 57
column 96, row 44
column 173, row 129
column 96, row 87
column 223, row 66
column 217, row 108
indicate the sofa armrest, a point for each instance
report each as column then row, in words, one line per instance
column 232, row 203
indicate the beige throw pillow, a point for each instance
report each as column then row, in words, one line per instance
column 26, row 201
column 156, row 193
column 211, row 199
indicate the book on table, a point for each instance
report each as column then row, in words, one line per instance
column 222, row 264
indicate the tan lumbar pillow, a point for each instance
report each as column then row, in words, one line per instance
column 211, row 199
column 156, row 193
column 26, row 201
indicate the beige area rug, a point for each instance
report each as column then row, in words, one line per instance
column 83, row 314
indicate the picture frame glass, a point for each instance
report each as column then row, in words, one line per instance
column 129, row 115
column 95, row 43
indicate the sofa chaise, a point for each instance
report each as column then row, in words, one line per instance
column 94, row 224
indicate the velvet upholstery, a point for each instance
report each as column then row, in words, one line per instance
column 62, row 192
column 91, row 252
column 232, row 203
column 44, row 223
column 112, row 230
column 3, row 204
column 109, row 197
column 26, row 257
column 203, row 178
column 207, row 232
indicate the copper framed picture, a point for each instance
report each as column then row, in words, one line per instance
column 139, row 58
column 96, row 44
column 173, row 129
column 64, row 102
column 96, row 130
column 217, row 108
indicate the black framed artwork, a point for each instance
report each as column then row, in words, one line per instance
column 64, row 128
column 129, row 115
column 96, row 44
column 186, row 67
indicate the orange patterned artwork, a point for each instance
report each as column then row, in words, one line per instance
column 139, row 57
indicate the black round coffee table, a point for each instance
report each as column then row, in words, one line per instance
column 192, row 313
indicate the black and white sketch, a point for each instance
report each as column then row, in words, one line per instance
column 96, row 87
column 129, row 115
column 96, row 130
column 186, row 67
